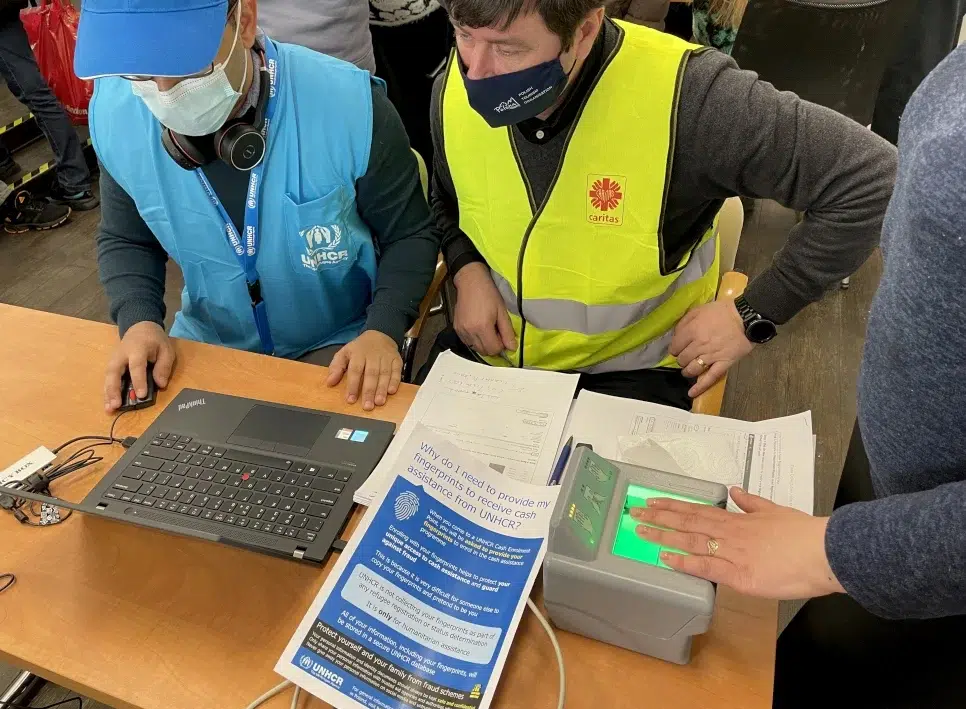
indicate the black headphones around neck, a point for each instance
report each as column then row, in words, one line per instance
column 238, row 143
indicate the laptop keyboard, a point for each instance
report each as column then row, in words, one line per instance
column 263, row 493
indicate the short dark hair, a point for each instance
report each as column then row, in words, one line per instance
column 562, row 17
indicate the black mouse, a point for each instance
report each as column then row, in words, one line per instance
column 129, row 397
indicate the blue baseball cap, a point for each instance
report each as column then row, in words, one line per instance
column 148, row 37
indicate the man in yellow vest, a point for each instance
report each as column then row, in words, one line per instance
column 579, row 167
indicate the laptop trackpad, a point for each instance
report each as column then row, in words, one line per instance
column 281, row 430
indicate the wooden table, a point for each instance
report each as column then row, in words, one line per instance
column 139, row 619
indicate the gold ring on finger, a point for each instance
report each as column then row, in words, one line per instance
column 701, row 363
column 712, row 547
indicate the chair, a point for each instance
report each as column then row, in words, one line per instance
column 731, row 221
column 429, row 306
column 730, row 224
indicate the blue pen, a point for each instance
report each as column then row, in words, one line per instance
column 561, row 462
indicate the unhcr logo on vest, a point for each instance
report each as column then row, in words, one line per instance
column 322, row 247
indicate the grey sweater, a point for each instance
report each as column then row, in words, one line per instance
column 904, row 555
column 736, row 135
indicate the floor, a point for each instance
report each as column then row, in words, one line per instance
column 811, row 365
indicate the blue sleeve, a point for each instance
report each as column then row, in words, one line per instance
column 903, row 556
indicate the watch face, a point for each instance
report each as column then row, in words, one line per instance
column 761, row 331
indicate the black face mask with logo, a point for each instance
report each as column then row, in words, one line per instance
column 508, row 99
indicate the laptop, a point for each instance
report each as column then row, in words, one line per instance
column 267, row 477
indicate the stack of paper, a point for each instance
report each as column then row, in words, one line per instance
column 511, row 419
column 774, row 459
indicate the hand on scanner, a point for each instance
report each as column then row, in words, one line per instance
column 707, row 341
column 372, row 362
column 770, row 551
column 142, row 343
column 480, row 318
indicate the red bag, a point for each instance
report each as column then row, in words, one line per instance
column 52, row 31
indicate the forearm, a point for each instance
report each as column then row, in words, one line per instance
column 902, row 556
column 405, row 271
column 130, row 260
column 740, row 136
column 390, row 200
column 843, row 193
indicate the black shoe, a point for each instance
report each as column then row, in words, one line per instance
column 9, row 170
column 24, row 212
column 80, row 201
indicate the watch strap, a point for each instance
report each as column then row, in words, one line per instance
column 747, row 313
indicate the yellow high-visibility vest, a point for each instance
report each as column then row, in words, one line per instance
column 583, row 274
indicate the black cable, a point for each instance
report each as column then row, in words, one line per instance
column 109, row 438
column 114, row 423
column 10, row 580
column 80, row 704
column 31, row 523
column 62, row 446
column 40, row 481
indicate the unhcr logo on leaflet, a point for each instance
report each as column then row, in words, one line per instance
column 326, row 674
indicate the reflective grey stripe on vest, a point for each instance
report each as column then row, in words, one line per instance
column 574, row 316
column 647, row 356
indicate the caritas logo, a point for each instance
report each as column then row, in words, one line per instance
column 606, row 194
column 605, row 200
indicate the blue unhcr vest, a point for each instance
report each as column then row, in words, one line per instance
column 316, row 259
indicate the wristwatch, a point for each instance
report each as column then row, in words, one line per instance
column 758, row 329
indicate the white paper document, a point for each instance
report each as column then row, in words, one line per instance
column 511, row 419
column 774, row 459
column 421, row 608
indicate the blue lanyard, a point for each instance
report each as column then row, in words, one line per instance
column 247, row 252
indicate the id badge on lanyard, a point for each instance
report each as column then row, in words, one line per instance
column 247, row 251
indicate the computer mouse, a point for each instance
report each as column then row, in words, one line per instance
column 129, row 397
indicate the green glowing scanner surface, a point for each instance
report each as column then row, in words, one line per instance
column 627, row 543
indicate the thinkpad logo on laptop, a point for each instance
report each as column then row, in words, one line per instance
column 191, row 404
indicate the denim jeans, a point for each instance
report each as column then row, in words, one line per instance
column 19, row 69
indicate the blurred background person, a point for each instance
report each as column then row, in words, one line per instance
column 339, row 28
column 412, row 40
column 72, row 189
column 931, row 33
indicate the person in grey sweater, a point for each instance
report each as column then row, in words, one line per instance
column 733, row 134
column 896, row 639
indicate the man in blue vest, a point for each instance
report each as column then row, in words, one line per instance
column 279, row 179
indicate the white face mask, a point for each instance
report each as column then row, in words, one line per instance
column 195, row 106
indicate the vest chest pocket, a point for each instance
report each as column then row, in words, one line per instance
column 317, row 235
